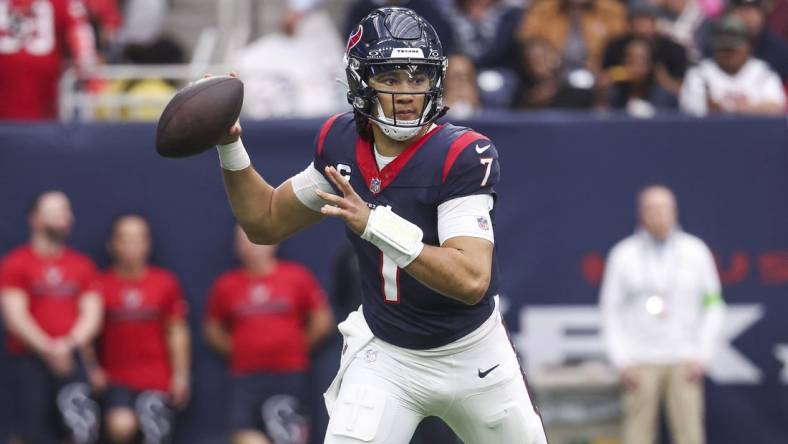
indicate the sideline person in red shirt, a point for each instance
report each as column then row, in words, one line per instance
column 144, row 347
column 36, row 37
column 50, row 308
column 265, row 317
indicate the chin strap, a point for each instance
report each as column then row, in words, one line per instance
column 441, row 113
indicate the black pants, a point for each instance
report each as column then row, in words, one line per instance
column 47, row 408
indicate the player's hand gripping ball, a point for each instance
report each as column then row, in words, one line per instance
column 199, row 116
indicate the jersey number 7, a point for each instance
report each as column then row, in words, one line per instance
column 486, row 161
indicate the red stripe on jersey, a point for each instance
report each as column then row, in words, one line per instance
column 365, row 159
column 398, row 299
column 383, row 281
column 382, row 278
column 456, row 148
column 324, row 132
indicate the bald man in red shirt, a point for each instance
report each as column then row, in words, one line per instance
column 50, row 308
column 265, row 317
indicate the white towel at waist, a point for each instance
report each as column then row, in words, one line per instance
column 356, row 335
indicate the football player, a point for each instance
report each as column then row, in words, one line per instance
column 418, row 202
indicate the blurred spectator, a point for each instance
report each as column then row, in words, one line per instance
column 161, row 51
column 145, row 342
column 662, row 317
column 143, row 21
column 147, row 97
column 462, row 93
column 50, row 308
column 668, row 57
column 777, row 17
column 578, row 29
column 282, row 16
column 300, row 77
column 35, row 36
column 265, row 317
column 425, row 8
column 541, row 82
column 680, row 20
column 106, row 19
column 635, row 86
column 732, row 81
column 296, row 9
column 485, row 30
column 766, row 44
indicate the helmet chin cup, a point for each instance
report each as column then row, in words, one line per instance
column 398, row 133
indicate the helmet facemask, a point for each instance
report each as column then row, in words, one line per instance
column 393, row 79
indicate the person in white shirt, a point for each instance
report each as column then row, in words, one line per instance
column 662, row 314
column 732, row 81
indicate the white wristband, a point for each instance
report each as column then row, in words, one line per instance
column 233, row 156
column 395, row 236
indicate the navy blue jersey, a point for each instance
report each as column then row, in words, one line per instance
column 446, row 163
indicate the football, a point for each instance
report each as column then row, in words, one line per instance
column 198, row 116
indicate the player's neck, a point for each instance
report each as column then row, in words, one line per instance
column 45, row 246
column 130, row 271
column 389, row 147
column 260, row 268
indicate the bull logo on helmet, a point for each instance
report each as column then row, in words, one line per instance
column 354, row 38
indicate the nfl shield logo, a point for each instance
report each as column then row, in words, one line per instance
column 483, row 224
column 374, row 185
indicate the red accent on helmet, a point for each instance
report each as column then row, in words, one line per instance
column 354, row 39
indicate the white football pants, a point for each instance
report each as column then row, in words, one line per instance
column 474, row 384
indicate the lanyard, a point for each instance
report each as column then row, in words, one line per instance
column 660, row 274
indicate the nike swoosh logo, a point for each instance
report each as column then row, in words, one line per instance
column 481, row 149
column 482, row 374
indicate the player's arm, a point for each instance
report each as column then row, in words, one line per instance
column 217, row 337
column 89, row 319
column 20, row 323
column 319, row 324
column 215, row 328
column 695, row 94
column 714, row 308
column 96, row 374
column 612, row 297
column 267, row 214
column 179, row 349
column 460, row 268
column 80, row 40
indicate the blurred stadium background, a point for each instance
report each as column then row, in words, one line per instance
column 580, row 128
